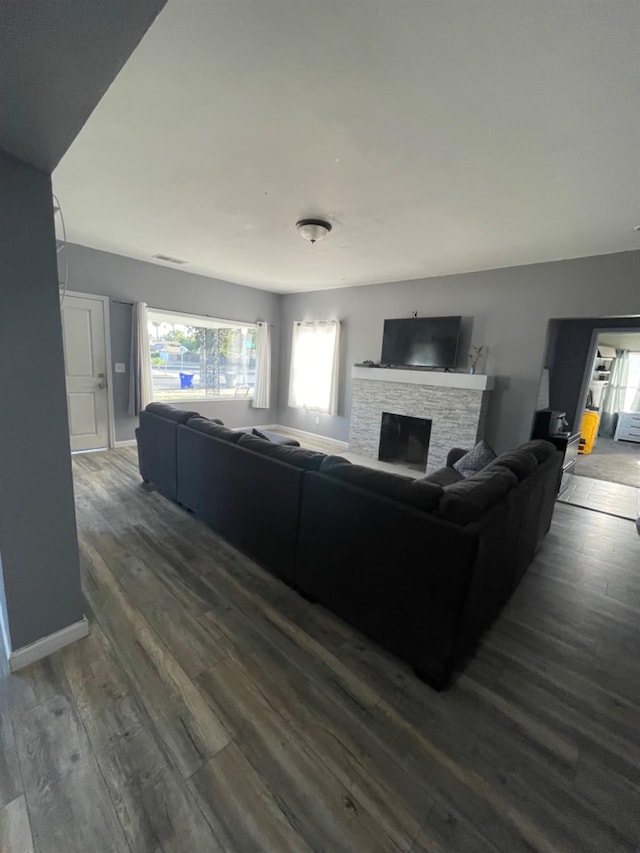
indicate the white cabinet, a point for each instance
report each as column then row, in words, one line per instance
column 628, row 428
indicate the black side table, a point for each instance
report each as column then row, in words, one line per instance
column 569, row 444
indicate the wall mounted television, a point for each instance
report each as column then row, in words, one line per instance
column 421, row 342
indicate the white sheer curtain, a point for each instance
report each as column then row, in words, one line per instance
column 262, row 391
column 140, row 382
column 315, row 366
column 614, row 394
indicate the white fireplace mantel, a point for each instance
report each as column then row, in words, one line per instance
column 437, row 379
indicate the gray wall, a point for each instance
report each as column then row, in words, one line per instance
column 127, row 280
column 508, row 310
column 569, row 358
column 37, row 518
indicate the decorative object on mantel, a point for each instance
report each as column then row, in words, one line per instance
column 474, row 357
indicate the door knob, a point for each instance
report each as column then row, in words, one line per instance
column 103, row 382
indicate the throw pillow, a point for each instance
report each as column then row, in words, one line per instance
column 257, row 432
column 475, row 460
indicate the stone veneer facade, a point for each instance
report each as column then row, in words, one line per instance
column 458, row 415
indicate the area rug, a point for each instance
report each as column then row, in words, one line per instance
column 613, row 461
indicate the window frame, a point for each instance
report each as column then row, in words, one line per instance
column 204, row 321
column 333, row 369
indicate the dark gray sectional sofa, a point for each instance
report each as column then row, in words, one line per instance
column 421, row 567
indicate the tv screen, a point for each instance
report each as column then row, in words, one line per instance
column 421, row 342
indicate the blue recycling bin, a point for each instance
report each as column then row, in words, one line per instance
column 186, row 380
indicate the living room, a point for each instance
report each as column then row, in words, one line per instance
column 503, row 195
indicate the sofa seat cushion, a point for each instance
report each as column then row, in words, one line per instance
column 164, row 410
column 309, row 460
column 475, row 460
column 216, row 430
column 467, row 500
column 443, row 477
column 416, row 493
column 522, row 463
column 540, row 448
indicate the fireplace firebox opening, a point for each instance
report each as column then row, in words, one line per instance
column 405, row 440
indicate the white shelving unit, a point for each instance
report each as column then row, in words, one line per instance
column 600, row 374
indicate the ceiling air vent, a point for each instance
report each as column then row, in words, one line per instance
column 169, row 259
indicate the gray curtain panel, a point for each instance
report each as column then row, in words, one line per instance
column 140, row 382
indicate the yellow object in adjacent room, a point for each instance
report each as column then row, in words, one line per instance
column 588, row 431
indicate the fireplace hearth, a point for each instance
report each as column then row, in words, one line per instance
column 404, row 439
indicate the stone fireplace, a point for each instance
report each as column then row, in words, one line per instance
column 455, row 403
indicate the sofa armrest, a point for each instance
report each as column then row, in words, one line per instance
column 454, row 454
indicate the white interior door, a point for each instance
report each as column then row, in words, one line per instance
column 85, row 359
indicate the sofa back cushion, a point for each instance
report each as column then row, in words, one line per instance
column 329, row 461
column 216, row 430
column 164, row 410
column 416, row 493
column 540, row 448
column 309, row 460
column 522, row 463
column 467, row 500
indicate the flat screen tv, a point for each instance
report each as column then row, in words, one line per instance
column 421, row 342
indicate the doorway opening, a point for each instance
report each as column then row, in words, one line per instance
column 594, row 382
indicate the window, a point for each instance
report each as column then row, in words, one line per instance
column 198, row 357
column 315, row 360
column 633, row 382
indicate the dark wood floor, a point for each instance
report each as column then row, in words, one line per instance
column 212, row 709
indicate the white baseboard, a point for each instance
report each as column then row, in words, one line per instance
column 128, row 443
column 47, row 645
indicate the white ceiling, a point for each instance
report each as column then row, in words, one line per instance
column 437, row 137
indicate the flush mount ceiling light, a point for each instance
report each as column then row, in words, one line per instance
column 313, row 229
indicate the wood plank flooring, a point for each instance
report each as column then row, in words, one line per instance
column 600, row 496
column 213, row 709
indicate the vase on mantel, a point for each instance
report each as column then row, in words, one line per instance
column 475, row 354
